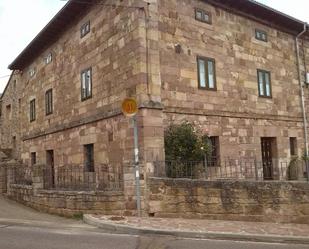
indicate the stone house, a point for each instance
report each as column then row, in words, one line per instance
column 229, row 66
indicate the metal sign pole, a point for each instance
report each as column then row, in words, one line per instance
column 136, row 168
column 130, row 108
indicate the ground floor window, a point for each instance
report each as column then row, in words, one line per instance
column 33, row 158
column 293, row 146
column 213, row 158
column 89, row 157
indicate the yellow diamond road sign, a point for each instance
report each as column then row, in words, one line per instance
column 129, row 107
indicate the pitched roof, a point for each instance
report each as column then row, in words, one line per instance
column 75, row 8
column 261, row 13
column 51, row 32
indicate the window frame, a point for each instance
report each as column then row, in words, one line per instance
column 8, row 111
column 48, row 58
column 32, row 110
column 264, row 83
column 83, row 29
column 33, row 158
column 89, row 96
column 32, row 72
column 204, row 12
column 293, row 146
column 206, row 60
column 257, row 31
column 49, row 102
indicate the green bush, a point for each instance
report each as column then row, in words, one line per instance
column 184, row 142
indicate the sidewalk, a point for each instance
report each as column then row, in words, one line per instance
column 206, row 229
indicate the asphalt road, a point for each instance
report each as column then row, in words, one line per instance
column 28, row 237
column 24, row 228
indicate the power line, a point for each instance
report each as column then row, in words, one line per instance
column 7, row 76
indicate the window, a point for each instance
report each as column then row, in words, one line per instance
column 202, row 16
column 89, row 157
column 49, row 102
column 8, row 112
column 264, row 83
column 33, row 158
column 32, row 110
column 213, row 159
column 85, row 29
column 19, row 105
column 14, row 142
column 293, row 146
column 48, row 58
column 261, row 35
column 206, row 73
column 86, row 87
column 31, row 72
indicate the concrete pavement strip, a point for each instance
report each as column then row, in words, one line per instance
column 35, row 223
column 120, row 228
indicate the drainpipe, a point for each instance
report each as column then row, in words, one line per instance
column 301, row 85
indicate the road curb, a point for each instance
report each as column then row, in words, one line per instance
column 127, row 229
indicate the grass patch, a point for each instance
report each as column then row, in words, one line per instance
column 78, row 216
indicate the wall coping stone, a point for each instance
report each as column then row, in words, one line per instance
column 201, row 182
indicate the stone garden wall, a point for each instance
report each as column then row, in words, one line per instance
column 68, row 203
column 230, row 200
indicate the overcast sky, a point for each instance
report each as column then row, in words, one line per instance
column 21, row 20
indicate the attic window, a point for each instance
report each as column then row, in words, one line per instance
column 31, row 72
column 85, row 29
column 202, row 16
column 48, row 58
column 261, row 35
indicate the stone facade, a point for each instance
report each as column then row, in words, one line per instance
column 149, row 51
column 10, row 117
column 234, row 112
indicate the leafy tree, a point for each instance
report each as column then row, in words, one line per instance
column 185, row 142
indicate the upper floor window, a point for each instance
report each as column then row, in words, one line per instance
column 202, row 16
column 206, row 73
column 8, row 112
column 85, row 29
column 32, row 110
column 86, row 84
column 32, row 72
column 49, row 102
column 261, row 35
column 264, row 83
column 48, row 58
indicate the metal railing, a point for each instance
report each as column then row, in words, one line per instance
column 246, row 169
column 21, row 175
column 75, row 177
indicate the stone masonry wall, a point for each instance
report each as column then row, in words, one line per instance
column 10, row 138
column 234, row 112
column 115, row 49
column 68, row 203
column 230, row 200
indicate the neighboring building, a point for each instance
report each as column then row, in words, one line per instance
column 10, row 116
column 229, row 66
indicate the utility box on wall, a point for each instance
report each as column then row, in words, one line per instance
column 307, row 78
